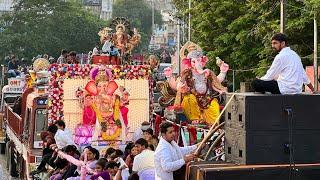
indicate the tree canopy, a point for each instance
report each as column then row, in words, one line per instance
column 40, row 26
column 240, row 31
column 140, row 16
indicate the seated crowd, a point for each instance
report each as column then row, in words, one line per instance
column 136, row 161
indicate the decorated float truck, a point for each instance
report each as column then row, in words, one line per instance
column 101, row 104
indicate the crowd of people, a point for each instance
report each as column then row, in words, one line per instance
column 18, row 67
column 147, row 157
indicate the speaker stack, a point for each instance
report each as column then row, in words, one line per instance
column 268, row 136
column 272, row 129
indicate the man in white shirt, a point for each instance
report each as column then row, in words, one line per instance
column 63, row 136
column 286, row 74
column 62, row 57
column 145, row 159
column 170, row 159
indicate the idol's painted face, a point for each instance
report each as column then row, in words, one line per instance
column 89, row 100
column 102, row 87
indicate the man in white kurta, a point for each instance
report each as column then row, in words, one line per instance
column 63, row 136
column 286, row 74
column 169, row 157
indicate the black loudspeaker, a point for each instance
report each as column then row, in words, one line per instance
column 260, row 129
column 254, row 172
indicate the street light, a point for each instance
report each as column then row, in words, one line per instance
column 152, row 17
column 189, row 28
column 315, row 53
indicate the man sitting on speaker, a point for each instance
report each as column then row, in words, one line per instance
column 286, row 74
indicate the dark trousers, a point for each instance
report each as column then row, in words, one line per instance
column 46, row 158
column 262, row 86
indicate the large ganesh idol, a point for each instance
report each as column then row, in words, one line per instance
column 197, row 88
column 105, row 115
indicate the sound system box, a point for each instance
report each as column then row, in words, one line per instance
column 272, row 129
column 211, row 171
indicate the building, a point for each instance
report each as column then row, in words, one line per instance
column 101, row 8
column 106, row 9
column 168, row 31
column 170, row 28
column 161, row 5
column 5, row 6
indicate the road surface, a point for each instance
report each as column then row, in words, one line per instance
column 4, row 173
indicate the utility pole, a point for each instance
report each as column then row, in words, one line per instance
column 152, row 17
column 189, row 28
column 315, row 52
column 178, row 46
column 283, row 13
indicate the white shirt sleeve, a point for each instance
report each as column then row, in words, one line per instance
column 135, row 166
column 166, row 162
column 274, row 70
column 305, row 78
column 68, row 139
column 188, row 149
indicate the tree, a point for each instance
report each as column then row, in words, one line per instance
column 40, row 26
column 239, row 31
column 140, row 16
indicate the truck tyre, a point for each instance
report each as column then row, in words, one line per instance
column 12, row 163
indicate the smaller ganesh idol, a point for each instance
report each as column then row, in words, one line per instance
column 198, row 89
column 104, row 112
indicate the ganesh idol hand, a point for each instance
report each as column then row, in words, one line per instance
column 224, row 67
column 222, row 91
column 182, row 87
column 207, row 72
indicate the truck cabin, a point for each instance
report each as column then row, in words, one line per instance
column 11, row 92
column 36, row 120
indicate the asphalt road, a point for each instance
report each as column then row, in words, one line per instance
column 4, row 173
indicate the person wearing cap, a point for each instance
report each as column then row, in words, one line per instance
column 139, row 132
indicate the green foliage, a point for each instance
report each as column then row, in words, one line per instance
column 240, row 31
column 41, row 26
column 140, row 16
